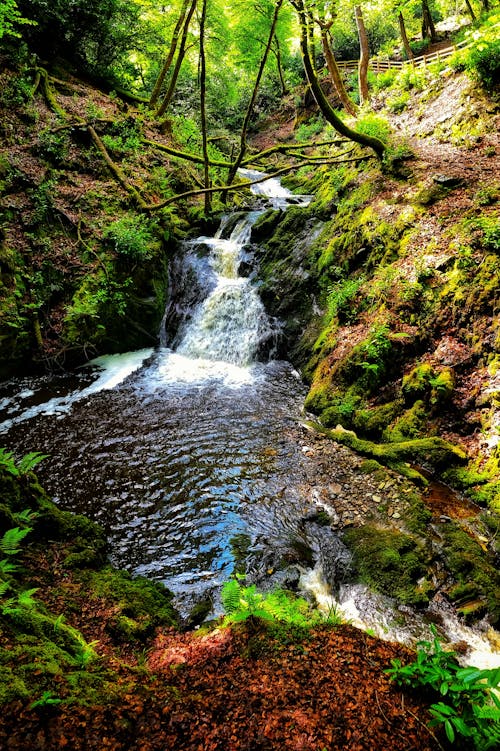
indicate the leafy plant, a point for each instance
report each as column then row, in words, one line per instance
column 340, row 294
column 374, row 125
column 472, row 706
column 242, row 602
column 46, row 700
column 132, row 236
column 22, row 467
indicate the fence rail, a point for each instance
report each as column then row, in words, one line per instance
column 379, row 66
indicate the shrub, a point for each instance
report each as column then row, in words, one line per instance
column 132, row 236
column 483, row 61
column 374, row 125
column 470, row 706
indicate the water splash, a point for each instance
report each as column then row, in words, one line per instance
column 382, row 617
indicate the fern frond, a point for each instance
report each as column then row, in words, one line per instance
column 4, row 586
column 8, row 462
column 30, row 461
column 7, row 567
column 231, row 595
column 26, row 516
column 25, row 599
column 9, row 543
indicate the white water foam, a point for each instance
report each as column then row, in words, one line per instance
column 175, row 368
column 114, row 370
column 380, row 616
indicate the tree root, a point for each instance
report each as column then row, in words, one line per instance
column 116, row 171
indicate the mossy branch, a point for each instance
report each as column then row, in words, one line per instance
column 115, row 170
column 433, row 451
column 186, row 155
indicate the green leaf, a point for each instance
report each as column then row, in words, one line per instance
column 450, row 733
column 9, row 543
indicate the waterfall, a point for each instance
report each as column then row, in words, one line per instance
column 231, row 323
column 228, row 324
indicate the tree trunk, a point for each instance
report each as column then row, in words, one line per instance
column 321, row 100
column 404, row 37
column 428, row 28
column 248, row 114
column 277, row 53
column 333, row 69
column 470, row 9
column 203, row 107
column 180, row 57
column 169, row 59
column 364, row 56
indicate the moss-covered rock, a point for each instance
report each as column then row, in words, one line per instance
column 390, row 562
column 476, row 578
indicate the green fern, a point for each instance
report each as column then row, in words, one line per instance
column 7, row 567
column 24, row 465
column 4, row 587
column 279, row 606
column 9, row 543
column 30, row 461
column 8, row 462
column 26, row 516
column 230, row 595
column 25, row 599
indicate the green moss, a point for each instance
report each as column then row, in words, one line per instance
column 418, row 516
column 371, row 466
column 389, row 562
column 416, row 385
column 141, row 604
column 410, row 424
column 473, row 570
column 433, row 451
column 372, row 422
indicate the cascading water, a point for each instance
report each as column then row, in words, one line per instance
column 231, row 322
column 191, row 456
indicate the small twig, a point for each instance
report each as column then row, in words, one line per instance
column 424, row 726
column 381, row 710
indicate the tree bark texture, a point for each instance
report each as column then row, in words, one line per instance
column 404, row 37
column 180, row 57
column 335, row 74
column 364, row 56
column 203, row 107
column 170, row 57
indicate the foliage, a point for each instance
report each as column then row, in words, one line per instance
column 482, row 59
column 10, row 17
column 241, row 602
column 22, row 467
column 340, row 297
column 470, row 706
column 132, row 236
column 92, row 34
column 374, row 125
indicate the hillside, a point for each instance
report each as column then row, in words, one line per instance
column 387, row 289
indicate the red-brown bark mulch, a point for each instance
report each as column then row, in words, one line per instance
column 247, row 689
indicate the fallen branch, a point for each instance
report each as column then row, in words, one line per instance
column 116, row 171
column 185, row 155
column 49, row 94
column 217, row 189
column 90, row 250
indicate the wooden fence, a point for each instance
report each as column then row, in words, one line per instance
column 379, row 66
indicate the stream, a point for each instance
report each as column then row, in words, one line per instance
column 190, row 454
